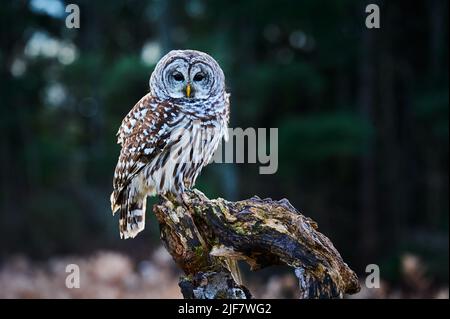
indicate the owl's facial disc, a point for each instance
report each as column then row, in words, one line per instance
column 175, row 78
column 187, row 74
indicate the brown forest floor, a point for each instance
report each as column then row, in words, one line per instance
column 114, row 275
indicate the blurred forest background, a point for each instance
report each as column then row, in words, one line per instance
column 363, row 134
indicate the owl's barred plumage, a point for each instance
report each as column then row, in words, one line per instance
column 169, row 135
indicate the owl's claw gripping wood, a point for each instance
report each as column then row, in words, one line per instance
column 179, row 198
column 169, row 197
column 184, row 198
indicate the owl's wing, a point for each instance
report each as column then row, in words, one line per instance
column 143, row 135
column 137, row 114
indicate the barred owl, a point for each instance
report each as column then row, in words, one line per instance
column 169, row 135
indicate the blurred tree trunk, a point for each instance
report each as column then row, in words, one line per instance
column 17, row 169
column 392, row 119
column 366, row 98
column 165, row 23
column 436, row 30
column 434, row 177
column 8, row 186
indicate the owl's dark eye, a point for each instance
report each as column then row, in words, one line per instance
column 199, row 76
column 177, row 76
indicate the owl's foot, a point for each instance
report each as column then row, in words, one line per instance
column 181, row 198
column 168, row 197
column 184, row 198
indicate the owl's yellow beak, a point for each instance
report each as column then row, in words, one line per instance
column 188, row 90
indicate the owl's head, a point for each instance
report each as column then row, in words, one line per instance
column 187, row 74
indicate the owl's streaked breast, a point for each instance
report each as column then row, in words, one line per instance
column 190, row 146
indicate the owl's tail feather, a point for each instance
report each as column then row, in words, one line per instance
column 114, row 201
column 131, row 206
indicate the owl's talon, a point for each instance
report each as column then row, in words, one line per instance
column 184, row 198
column 167, row 197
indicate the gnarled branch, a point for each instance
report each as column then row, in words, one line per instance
column 202, row 234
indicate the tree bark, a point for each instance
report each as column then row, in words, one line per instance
column 203, row 235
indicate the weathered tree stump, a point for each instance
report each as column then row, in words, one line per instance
column 206, row 236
